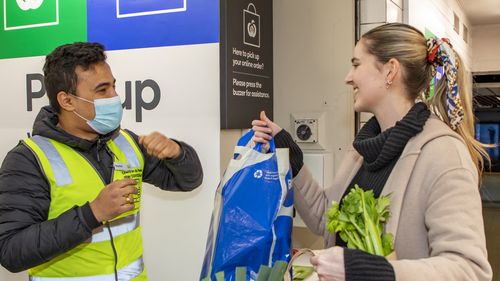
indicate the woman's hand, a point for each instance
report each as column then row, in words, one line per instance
column 264, row 129
column 329, row 264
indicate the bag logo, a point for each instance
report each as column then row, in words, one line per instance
column 258, row 174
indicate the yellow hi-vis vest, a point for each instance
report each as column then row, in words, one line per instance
column 114, row 252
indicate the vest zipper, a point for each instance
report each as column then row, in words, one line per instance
column 107, row 223
column 109, row 228
column 114, row 249
column 97, row 150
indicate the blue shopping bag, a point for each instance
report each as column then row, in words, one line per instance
column 252, row 218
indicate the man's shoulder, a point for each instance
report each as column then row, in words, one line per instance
column 20, row 158
column 20, row 150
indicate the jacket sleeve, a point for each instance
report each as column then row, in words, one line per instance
column 310, row 201
column 362, row 266
column 455, row 232
column 183, row 173
column 27, row 238
column 283, row 139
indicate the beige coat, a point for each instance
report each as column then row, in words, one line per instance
column 435, row 206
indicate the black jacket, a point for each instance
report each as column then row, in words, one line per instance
column 27, row 238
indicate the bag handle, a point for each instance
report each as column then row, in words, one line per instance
column 301, row 252
column 246, row 141
column 253, row 6
column 259, row 147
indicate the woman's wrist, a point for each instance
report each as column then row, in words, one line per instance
column 284, row 140
column 361, row 266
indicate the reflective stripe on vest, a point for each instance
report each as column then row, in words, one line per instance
column 124, row 274
column 117, row 227
column 128, row 150
column 59, row 168
column 75, row 181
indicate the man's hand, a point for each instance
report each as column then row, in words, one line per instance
column 160, row 146
column 114, row 200
column 329, row 264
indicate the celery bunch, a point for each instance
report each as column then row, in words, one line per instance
column 361, row 220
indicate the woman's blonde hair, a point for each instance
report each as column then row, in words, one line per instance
column 409, row 46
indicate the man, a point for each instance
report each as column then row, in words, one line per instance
column 70, row 195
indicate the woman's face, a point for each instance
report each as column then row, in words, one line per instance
column 367, row 79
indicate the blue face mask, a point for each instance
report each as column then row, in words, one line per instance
column 108, row 114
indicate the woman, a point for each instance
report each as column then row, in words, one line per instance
column 423, row 154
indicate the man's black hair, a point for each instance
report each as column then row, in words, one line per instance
column 60, row 65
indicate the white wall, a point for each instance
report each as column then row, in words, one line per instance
column 228, row 139
column 175, row 225
column 313, row 44
column 486, row 48
column 377, row 12
column 437, row 16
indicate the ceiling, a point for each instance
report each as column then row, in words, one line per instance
column 482, row 11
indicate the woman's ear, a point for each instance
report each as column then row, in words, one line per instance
column 65, row 101
column 392, row 70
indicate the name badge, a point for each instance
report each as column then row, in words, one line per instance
column 121, row 166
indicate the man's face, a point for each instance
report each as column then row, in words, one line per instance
column 97, row 82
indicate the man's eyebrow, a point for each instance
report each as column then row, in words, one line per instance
column 104, row 84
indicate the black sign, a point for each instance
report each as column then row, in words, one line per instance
column 246, row 61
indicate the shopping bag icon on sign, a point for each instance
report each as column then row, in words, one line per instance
column 251, row 26
column 22, row 14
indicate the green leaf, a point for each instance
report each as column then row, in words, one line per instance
column 278, row 271
column 264, row 272
column 388, row 243
column 219, row 276
column 361, row 220
column 241, row 273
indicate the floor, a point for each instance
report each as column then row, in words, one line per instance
column 490, row 193
column 492, row 228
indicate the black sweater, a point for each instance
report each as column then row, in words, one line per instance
column 380, row 151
